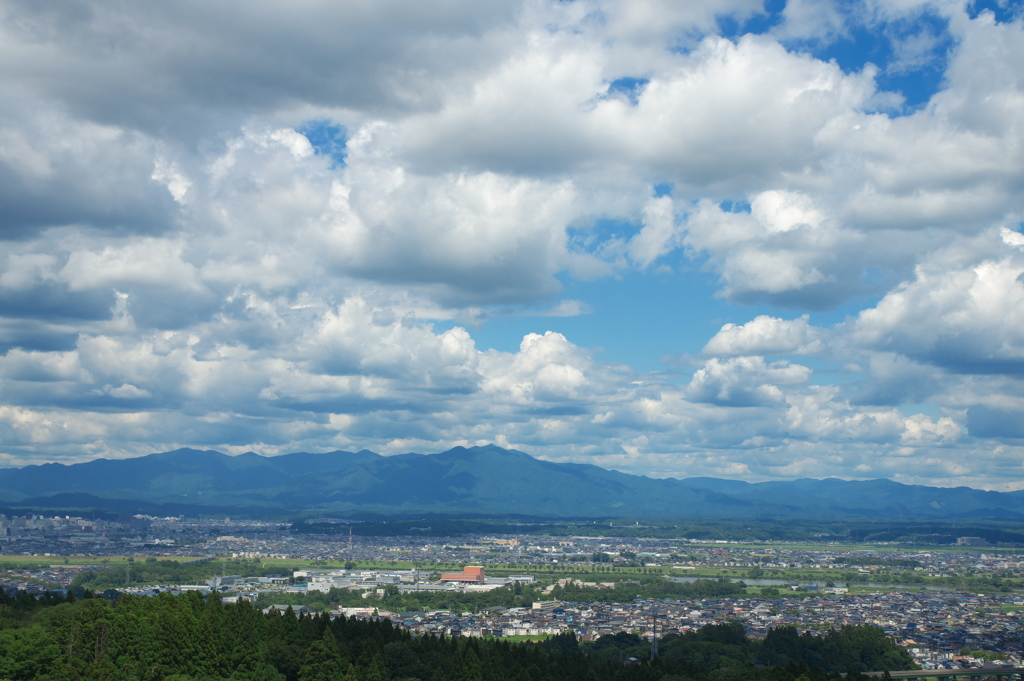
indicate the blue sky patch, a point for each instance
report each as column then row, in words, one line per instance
column 735, row 206
column 631, row 88
column 729, row 26
column 1004, row 11
column 328, row 139
column 663, row 189
column 911, row 54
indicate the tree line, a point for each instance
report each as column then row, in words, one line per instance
column 178, row 638
column 719, row 647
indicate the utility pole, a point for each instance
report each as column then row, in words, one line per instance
column 654, row 637
column 127, row 573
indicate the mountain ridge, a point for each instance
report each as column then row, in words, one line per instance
column 483, row 479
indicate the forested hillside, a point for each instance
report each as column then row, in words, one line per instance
column 726, row 646
column 175, row 638
column 485, row 480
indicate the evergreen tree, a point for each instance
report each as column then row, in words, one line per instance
column 322, row 661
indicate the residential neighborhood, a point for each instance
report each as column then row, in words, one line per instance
column 934, row 628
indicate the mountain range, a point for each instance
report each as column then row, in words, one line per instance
column 476, row 480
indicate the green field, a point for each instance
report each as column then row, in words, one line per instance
column 27, row 562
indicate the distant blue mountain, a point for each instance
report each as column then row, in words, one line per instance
column 487, row 480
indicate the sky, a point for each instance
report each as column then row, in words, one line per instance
column 729, row 238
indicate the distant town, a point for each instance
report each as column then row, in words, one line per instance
column 813, row 587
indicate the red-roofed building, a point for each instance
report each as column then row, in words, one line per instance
column 471, row 574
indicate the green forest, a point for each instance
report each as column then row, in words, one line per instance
column 177, row 638
column 726, row 646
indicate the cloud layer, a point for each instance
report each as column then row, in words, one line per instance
column 278, row 229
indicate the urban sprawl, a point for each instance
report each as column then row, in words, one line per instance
column 943, row 627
